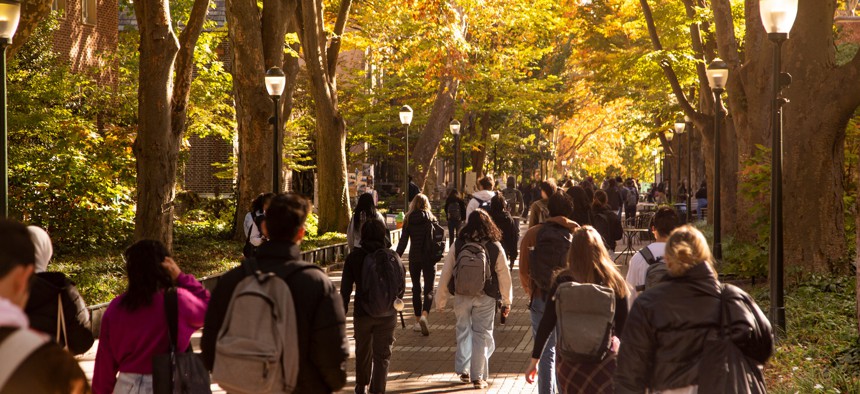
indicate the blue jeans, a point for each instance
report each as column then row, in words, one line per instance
column 474, row 330
column 133, row 383
column 546, row 365
column 701, row 203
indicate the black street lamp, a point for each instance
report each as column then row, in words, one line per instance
column 455, row 130
column 406, row 120
column 778, row 17
column 495, row 138
column 10, row 14
column 275, row 83
column 718, row 74
column 667, row 169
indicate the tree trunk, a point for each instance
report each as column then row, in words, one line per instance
column 437, row 125
column 156, row 148
column 321, row 62
column 253, row 54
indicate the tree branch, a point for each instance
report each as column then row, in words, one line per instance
column 33, row 12
column 334, row 45
column 185, row 62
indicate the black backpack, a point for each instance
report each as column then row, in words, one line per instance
column 656, row 272
column 485, row 205
column 454, row 214
column 435, row 241
column 601, row 223
column 549, row 254
column 383, row 279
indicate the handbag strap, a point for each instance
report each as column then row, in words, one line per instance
column 61, row 323
column 171, row 310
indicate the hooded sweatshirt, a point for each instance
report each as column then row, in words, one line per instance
column 418, row 230
column 483, row 195
column 44, row 250
column 528, row 242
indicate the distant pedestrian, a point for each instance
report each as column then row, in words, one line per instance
column 365, row 210
column 606, row 221
column 380, row 282
column 538, row 212
column 508, row 226
column 665, row 340
column 253, row 224
column 631, row 201
column 664, row 221
column 477, row 275
column 581, row 205
column 701, row 200
column 515, row 203
column 414, row 190
column 134, row 326
column 587, row 263
column 613, row 193
column 417, row 226
column 455, row 210
column 481, row 198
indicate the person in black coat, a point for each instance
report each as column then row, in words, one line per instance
column 374, row 335
column 455, row 217
column 508, row 225
column 606, row 221
column 417, row 226
column 48, row 291
column 670, row 322
column 581, row 205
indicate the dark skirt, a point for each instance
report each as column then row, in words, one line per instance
column 586, row 378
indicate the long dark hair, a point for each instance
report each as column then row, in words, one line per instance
column 261, row 200
column 601, row 200
column 374, row 235
column 146, row 276
column 364, row 206
column 581, row 202
column 479, row 228
column 498, row 206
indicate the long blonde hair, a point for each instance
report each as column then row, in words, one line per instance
column 589, row 262
column 419, row 203
column 685, row 249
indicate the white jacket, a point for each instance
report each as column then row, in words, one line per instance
column 502, row 272
column 484, row 195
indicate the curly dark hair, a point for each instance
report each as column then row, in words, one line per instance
column 480, row 228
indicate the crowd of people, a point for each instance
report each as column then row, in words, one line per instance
column 594, row 330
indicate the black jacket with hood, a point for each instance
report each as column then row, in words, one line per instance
column 418, row 229
column 47, row 290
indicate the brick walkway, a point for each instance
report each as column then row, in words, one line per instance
column 426, row 364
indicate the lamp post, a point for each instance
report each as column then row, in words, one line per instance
column 495, row 138
column 406, row 120
column 10, row 14
column 275, row 82
column 682, row 128
column 455, row 130
column 667, row 168
column 778, row 17
column 718, row 74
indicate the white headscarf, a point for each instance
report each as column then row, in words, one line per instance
column 44, row 250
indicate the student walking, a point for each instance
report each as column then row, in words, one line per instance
column 477, row 276
column 134, row 326
column 253, row 224
column 606, row 221
column 481, row 198
column 33, row 364
column 508, row 226
column 319, row 332
column 538, row 212
column 649, row 261
column 671, row 324
column 581, row 205
column 514, row 198
column 418, row 226
column 365, row 210
column 380, row 282
column 701, row 200
column 543, row 251
column 631, row 201
column 455, row 210
column 587, row 263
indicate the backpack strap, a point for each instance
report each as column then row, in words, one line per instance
column 648, row 255
column 17, row 347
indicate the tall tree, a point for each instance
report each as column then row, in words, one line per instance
column 33, row 13
column 161, row 111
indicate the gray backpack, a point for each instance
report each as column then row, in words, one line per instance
column 657, row 270
column 256, row 348
column 586, row 313
column 471, row 270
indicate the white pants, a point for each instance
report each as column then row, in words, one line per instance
column 133, row 383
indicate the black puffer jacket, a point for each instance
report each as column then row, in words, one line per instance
column 665, row 333
column 42, row 310
column 510, row 234
column 418, row 230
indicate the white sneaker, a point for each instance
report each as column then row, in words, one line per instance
column 416, row 327
column 424, row 326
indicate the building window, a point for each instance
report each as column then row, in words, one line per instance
column 88, row 11
column 60, row 7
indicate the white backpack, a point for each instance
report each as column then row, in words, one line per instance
column 257, row 347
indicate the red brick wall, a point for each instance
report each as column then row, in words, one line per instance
column 89, row 47
column 199, row 172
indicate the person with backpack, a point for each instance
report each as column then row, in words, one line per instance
column 55, row 306
column 647, row 267
column 701, row 200
column 606, row 221
column 253, row 224
column 507, row 225
column 414, row 190
column 134, row 326
column 481, row 198
column 240, row 319
column 615, row 200
column 29, row 361
column 365, row 210
column 587, row 311
column 379, row 278
column 682, row 335
column 631, row 201
column 455, row 210
column 476, row 274
column 421, row 227
column 538, row 212
column 514, row 200
column 543, row 251
column 581, row 205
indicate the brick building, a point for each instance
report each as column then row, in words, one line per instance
column 87, row 35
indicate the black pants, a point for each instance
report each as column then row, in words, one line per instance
column 630, row 215
column 373, row 339
column 417, row 268
column 453, row 231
